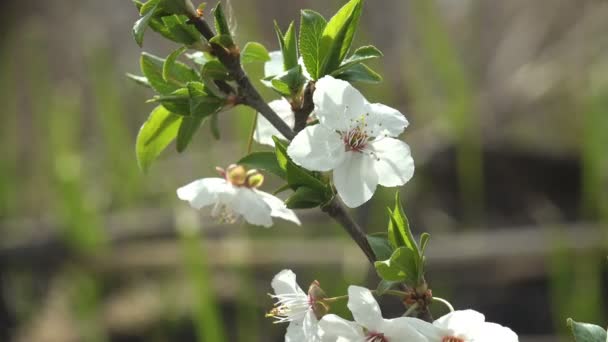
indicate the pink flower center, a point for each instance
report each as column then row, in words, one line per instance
column 375, row 337
column 355, row 140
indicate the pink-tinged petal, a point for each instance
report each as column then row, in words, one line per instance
column 251, row 206
column 462, row 323
column 284, row 282
column 394, row 164
column 337, row 103
column 356, row 179
column 317, row 148
column 364, row 308
column 384, row 120
column 204, row 192
column 264, row 130
column 278, row 207
column 336, row 329
column 275, row 65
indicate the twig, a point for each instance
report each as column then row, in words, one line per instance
column 307, row 106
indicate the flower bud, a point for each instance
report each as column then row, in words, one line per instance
column 317, row 295
column 254, row 179
column 236, row 174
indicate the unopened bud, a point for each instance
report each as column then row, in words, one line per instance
column 254, row 179
column 317, row 295
column 236, row 174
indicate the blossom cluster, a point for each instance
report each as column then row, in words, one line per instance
column 308, row 320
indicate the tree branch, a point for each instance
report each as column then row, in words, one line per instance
column 249, row 96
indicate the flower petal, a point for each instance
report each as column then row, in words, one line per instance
column 275, row 65
column 333, row 328
column 278, row 207
column 337, row 103
column 295, row 332
column 401, row 329
column 462, row 323
column 385, row 120
column 311, row 327
column 264, row 130
column 284, row 282
column 356, row 179
column 251, row 206
column 317, row 148
column 394, row 164
column 364, row 307
column 493, row 332
column 203, row 192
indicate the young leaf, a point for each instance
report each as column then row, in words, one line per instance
column 188, row 127
column 184, row 7
column 288, row 45
column 141, row 80
column 289, row 83
column 155, row 134
column 359, row 73
column 170, row 61
column 305, row 198
column 381, row 246
column 177, row 29
column 179, row 74
column 223, row 40
column 201, row 103
column 424, row 240
column 177, row 102
column 338, row 35
column 266, row 161
column 399, row 232
column 221, row 24
column 401, row 266
column 254, row 52
column 362, row 54
column 215, row 70
column 384, row 286
column 312, row 25
column 140, row 26
column 584, row 332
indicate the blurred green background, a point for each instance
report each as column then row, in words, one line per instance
column 508, row 105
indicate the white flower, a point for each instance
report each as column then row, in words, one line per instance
column 235, row 196
column 294, row 306
column 354, row 138
column 369, row 326
column 264, row 130
column 465, row 326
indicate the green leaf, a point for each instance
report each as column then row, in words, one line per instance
column 142, row 24
column 201, row 104
column 177, row 29
column 312, row 25
column 289, row 46
column 179, row 74
column 184, row 7
column 155, row 134
column 289, row 83
column 362, row 54
column 297, row 176
column 381, row 246
column 200, row 57
column 223, row 40
column 266, row 161
column 338, row 35
column 401, row 266
column 305, row 198
column 584, row 332
column 215, row 70
column 148, row 6
column 359, row 73
column 141, row 80
column 254, row 52
column 177, row 102
column 214, row 126
column 424, row 240
column 384, row 286
column 170, row 62
column 188, row 127
column 221, row 24
column 399, row 232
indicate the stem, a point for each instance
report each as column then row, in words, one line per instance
column 335, row 299
column 444, row 302
column 336, row 210
column 411, row 310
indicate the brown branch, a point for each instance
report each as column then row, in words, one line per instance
column 302, row 113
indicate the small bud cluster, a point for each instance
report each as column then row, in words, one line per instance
column 238, row 175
